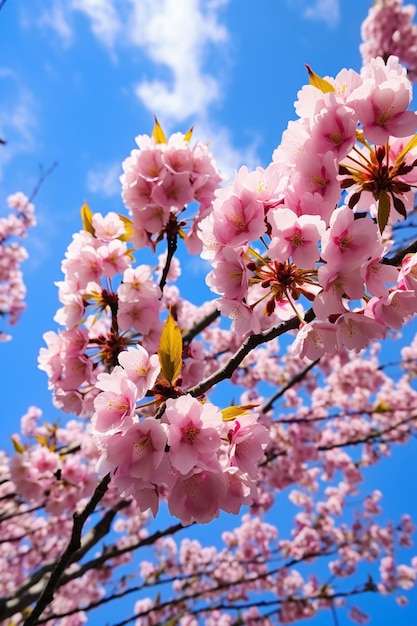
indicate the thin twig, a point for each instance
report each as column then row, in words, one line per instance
column 43, row 176
column 294, row 380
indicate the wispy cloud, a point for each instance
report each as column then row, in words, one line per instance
column 105, row 21
column 180, row 83
column 104, row 180
column 55, row 18
column 327, row 11
column 17, row 117
column 177, row 36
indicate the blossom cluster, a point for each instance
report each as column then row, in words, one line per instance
column 190, row 456
column 314, row 227
column 280, row 234
column 12, row 253
column 160, row 179
column 389, row 30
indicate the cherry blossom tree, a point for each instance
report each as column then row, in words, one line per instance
column 181, row 412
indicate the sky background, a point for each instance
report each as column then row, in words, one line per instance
column 79, row 79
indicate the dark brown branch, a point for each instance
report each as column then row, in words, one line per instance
column 373, row 436
column 248, row 345
column 398, row 257
column 171, row 249
column 294, row 380
column 195, row 330
column 73, row 546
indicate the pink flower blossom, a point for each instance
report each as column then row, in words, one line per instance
column 248, row 440
column 193, row 434
column 140, row 368
column 296, row 237
column 197, row 496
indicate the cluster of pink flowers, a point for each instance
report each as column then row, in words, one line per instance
column 277, row 235
column 49, row 474
column 389, row 30
column 315, row 229
column 12, row 253
column 191, row 456
column 160, row 180
column 101, row 317
column 276, row 239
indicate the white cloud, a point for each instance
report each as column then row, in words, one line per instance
column 105, row 21
column 56, row 19
column 228, row 158
column 104, row 180
column 17, row 118
column 178, row 35
column 327, row 11
column 180, row 39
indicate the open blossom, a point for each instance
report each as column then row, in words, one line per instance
column 296, row 237
column 247, row 439
column 193, row 434
column 315, row 339
column 382, row 101
column 238, row 218
column 393, row 310
column 141, row 368
column 197, row 496
column 349, row 242
column 137, row 452
column 230, row 274
column 115, row 406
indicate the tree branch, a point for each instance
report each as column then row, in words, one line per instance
column 73, row 546
column 294, row 380
column 248, row 345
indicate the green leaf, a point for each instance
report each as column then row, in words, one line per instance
column 157, row 133
column 170, row 350
column 381, row 407
column 19, row 447
column 188, row 134
column 232, row 412
column 87, row 218
column 317, row 81
column 128, row 224
column 384, row 209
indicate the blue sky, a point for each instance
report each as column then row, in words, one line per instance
column 79, row 79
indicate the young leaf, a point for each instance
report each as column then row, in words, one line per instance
column 128, row 224
column 87, row 218
column 232, row 412
column 170, row 350
column 188, row 134
column 317, row 81
column 157, row 133
column 19, row 448
column 384, row 208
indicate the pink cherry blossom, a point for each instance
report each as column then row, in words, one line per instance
column 193, row 434
column 248, row 440
column 141, row 368
column 295, row 237
column 115, row 406
column 197, row 496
